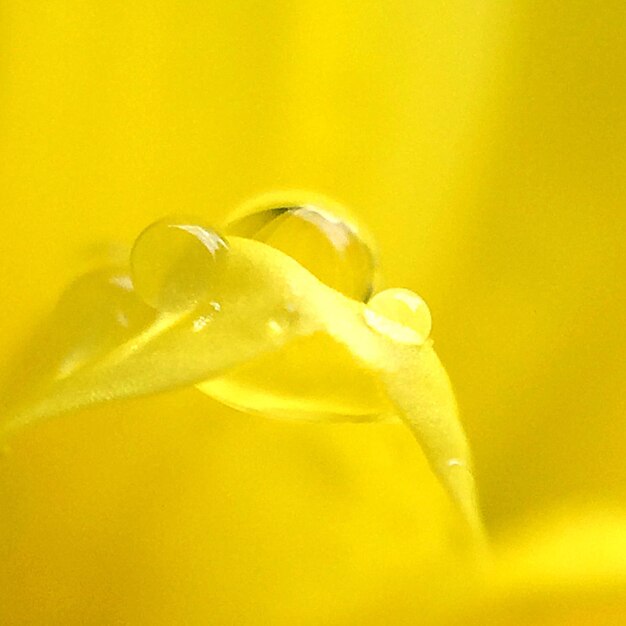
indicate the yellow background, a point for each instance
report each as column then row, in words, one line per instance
column 483, row 143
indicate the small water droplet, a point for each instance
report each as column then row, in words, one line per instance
column 456, row 463
column 201, row 322
column 281, row 319
column 174, row 263
column 401, row 315
column 330, row 247
column 274, row 327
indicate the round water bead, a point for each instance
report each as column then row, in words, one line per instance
column 174, row 262
column 330, row 247
column 401, row 315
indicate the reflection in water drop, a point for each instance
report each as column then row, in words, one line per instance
column 173, row 264
column 401, row 315
column 330, row 247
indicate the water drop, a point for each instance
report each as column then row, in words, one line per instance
column 456, row 463
column 330, row 247
column 175, row 262
column 401, row 315
column 312, row 378
column 274, row 327
column 200, row 323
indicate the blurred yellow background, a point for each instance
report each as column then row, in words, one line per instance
column 483, row 143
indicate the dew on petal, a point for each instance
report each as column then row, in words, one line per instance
column 401, row 315
column 174, row 264
column 330, row 247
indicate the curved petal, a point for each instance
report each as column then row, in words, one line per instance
column 261, row 300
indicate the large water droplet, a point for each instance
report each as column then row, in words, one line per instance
column 312, row 378
column 401, row 315
column 174, row 263
column 330, row 247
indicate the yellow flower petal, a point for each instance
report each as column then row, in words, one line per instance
column 258, row 301
column 566, row 568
